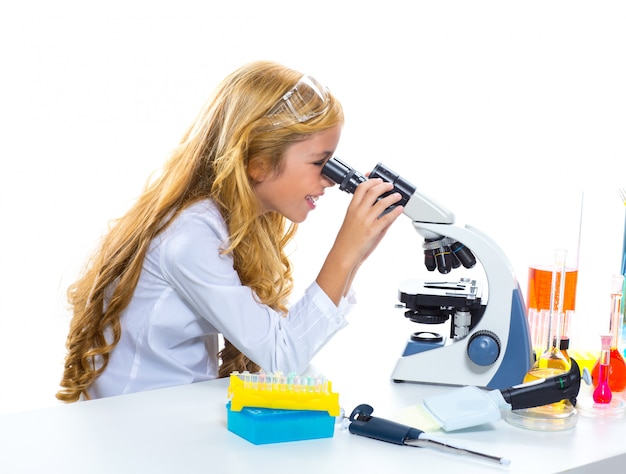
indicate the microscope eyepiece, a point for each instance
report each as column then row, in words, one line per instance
column 348, row 178
column 400, row 185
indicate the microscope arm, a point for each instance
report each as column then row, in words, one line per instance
column 440, row 252
column 421, row 208
column 417, row 206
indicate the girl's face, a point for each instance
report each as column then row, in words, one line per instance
column 295, row 190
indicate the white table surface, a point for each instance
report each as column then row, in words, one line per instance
column 183, row 429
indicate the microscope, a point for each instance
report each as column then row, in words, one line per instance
column 488, row 343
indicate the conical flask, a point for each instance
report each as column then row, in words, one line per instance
column 553, row 361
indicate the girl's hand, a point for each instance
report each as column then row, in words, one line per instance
column 362, row 230
column 365, row 225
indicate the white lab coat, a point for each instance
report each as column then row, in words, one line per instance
column 187, row 294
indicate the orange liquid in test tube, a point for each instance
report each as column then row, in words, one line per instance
column 538, row 305
column 540, row 283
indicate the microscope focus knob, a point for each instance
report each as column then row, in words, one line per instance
column 483, row 348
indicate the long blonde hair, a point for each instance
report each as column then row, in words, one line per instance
column 231, row 132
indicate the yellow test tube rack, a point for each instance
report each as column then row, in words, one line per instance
column 279, row 391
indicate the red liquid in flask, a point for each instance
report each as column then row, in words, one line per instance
column 602, row 393
column 617, row 365
column 617, row 371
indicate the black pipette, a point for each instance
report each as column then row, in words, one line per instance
column 364, row 424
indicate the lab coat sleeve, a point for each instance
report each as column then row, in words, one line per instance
column 206, row 280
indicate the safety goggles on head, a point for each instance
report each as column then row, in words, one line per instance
column 306, row 100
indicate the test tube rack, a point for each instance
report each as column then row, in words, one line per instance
column 279, row 391
column 272, row 408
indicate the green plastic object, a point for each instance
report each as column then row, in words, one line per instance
column 270, row 425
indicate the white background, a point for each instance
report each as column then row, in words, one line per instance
column 503, row 111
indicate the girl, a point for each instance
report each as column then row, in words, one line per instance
column 202, row 251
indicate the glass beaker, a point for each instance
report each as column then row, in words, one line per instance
column 553, row 354
column 564, row 235
column 552, row 359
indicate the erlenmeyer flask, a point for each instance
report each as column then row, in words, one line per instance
column 552, row 361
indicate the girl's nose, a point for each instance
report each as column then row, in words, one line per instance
column 326, row 182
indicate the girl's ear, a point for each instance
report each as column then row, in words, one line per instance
column 257, row 169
